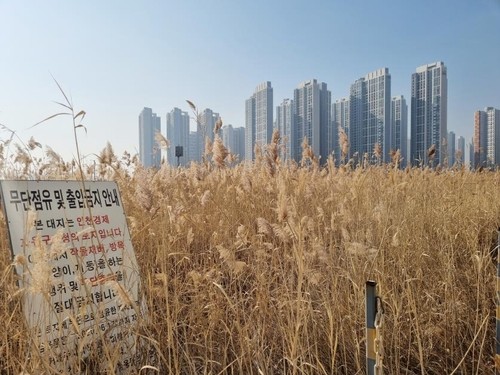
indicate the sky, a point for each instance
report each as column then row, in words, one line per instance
column 113, row 58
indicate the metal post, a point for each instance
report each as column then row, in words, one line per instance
column 371, row 312
column 497, row 356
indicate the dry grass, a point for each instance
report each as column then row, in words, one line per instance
column 260, row 269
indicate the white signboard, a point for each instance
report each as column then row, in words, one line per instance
column 77, row 269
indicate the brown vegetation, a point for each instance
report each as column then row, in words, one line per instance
column 260, row 269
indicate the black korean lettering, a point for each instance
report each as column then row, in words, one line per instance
column 46, row 200
column 96, row 198
column 79, row 198
column 70, row 198
column 15, row 199
column 50, row 223
column 58, row 195
column 38, row 224
column 110, row 197
column 73, row 286
column 36, row 200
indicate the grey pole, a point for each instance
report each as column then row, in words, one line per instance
column 371, row 312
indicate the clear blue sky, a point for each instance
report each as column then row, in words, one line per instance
column 115, row 57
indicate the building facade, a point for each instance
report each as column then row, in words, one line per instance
column 259, row 118
column 480, row 139
column 460, row 155
column 234, row 140
column 239, row 143
column 250, row 129
column 486, row 138
column 286, row 126
column 149, row 149
column 451, row 143
column 312, row 106
column 370, row 115
column 340, row 120
column 399, row 127
column 178, row 136
column 493, row 137
column 205, row 128
column 194, row 152
column 429, row 111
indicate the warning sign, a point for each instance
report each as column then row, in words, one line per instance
column 77, row 270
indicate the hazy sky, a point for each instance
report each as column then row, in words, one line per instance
column 115, row 57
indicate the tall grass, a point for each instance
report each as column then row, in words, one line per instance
column 260, row 268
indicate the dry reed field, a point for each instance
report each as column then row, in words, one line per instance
column 261, row 268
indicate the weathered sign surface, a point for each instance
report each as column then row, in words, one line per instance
column 77, row 268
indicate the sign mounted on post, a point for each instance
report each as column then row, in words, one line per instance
column 77, row 270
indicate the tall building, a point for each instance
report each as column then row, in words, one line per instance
column 487, row 137
column 312, row 106
column 493, row 138
column 239, row 143
column 399, row 127
column 259, row 118
column 149, row 149
column 370, row 114
column 327, row 133
column 286, row 125
column 451, row 148
column 340, row 120
column 429, row 111
column 460, row 155
column 234, row 140
column 470, row 147
column 178, row 135
column 193, row 147
column 480, row 139
column 228, row 136
column 205, row 129
column 250, row 129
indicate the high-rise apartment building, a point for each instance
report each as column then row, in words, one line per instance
column 451, row 143
column 149, row 149
column 470, row 147
column 250, row 129
column 239, row 143
column 193, row 154
column 399, row 127
column 370, row 115
column 286, row 125
column 460, row 155
column 178, row 135
column 340, row 120
column 493, row 138
column 234, row 140
column 240, row 151
column 259, row 118
column 228, row 137
column 429, row 111
column 480, row 139
column 205, row 128
column 487, row 138
column 312, row 106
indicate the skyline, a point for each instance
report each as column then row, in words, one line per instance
column 158, row 55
